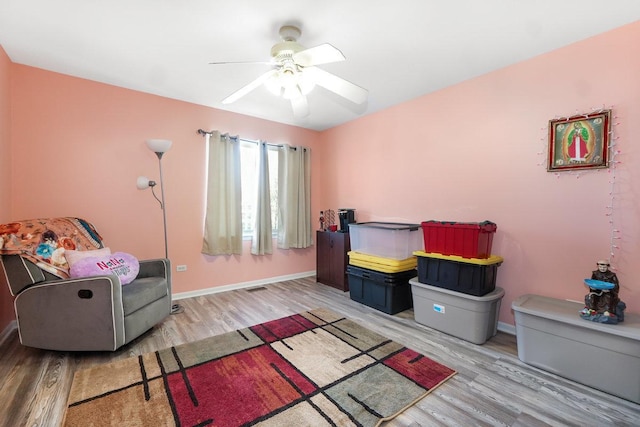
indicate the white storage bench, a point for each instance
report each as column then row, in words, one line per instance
column 552, row 336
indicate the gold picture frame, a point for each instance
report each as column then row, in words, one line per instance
column 579, row 142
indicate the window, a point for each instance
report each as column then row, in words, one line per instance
column 249, row 166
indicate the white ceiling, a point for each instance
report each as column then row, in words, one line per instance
column 398, row 50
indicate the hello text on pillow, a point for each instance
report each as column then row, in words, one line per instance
column 122, row 264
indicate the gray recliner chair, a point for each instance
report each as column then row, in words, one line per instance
column 85, row 314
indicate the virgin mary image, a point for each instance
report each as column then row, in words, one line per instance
column 579, row 142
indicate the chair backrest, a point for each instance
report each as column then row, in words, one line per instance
column 19, row 273
column 31, row 250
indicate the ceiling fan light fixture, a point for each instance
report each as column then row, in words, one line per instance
column 291, row 92
column 289, row 84
column 288, row 79
column 274, row 85
column 290, row 88
column 305, row 83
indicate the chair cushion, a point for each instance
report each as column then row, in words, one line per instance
column 142, row 292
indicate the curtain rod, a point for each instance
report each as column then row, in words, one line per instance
column 204, row 133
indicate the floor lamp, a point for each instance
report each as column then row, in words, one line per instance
column 159, row 146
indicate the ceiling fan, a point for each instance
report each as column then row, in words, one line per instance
column 294, row 73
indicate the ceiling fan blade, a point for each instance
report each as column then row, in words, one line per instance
column 323, row 54
column 248, row 88
column 338, row 85
column 242, row 62
column 300, row 106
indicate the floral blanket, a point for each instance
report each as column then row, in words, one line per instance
column 44, row 241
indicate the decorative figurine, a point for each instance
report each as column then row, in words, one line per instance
column 329, row 217
column 602, row 303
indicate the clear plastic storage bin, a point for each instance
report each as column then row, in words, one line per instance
column 386, row 239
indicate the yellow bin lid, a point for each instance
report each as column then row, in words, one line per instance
column 381, row 267
column 353, row 255
column 493, row 259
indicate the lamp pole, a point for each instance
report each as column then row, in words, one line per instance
column 163, row 205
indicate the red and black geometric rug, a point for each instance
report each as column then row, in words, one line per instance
column 314, row 368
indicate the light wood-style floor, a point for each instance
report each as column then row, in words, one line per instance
column 492, row 387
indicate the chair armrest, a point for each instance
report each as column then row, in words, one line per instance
column 155, row 268
column 19, row 273
column 83, row 314
column 160, row 267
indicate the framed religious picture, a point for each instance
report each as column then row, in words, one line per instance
column 579, row 142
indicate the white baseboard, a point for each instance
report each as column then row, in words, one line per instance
column 6, row 333
column 506, row 328
column 242, row 285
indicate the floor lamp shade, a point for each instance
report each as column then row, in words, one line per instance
column 159, row 145
column 143, row 183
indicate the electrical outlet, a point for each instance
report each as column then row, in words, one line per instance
column 181, row 268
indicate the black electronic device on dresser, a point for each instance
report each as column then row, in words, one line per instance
column 347, row 216
column 332, row 259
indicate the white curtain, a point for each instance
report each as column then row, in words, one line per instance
column 262, row 240
column 223, row 221
column 294, row 197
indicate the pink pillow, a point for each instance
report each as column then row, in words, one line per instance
column 74, row 256
column 123, row 265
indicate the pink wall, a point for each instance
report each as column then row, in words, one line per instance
column 476, row 151
column 80, row 146
column 6, row 301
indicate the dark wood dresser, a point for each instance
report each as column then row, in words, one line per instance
column 332, row 259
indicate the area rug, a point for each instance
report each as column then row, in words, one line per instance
column 315, row 368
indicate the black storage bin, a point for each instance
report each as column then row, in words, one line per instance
column 387, row 292
column 466, row 277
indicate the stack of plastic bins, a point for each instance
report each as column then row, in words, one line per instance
column 381, row 283
column 456, row 288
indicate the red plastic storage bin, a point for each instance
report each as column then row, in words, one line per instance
column 465, row 239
